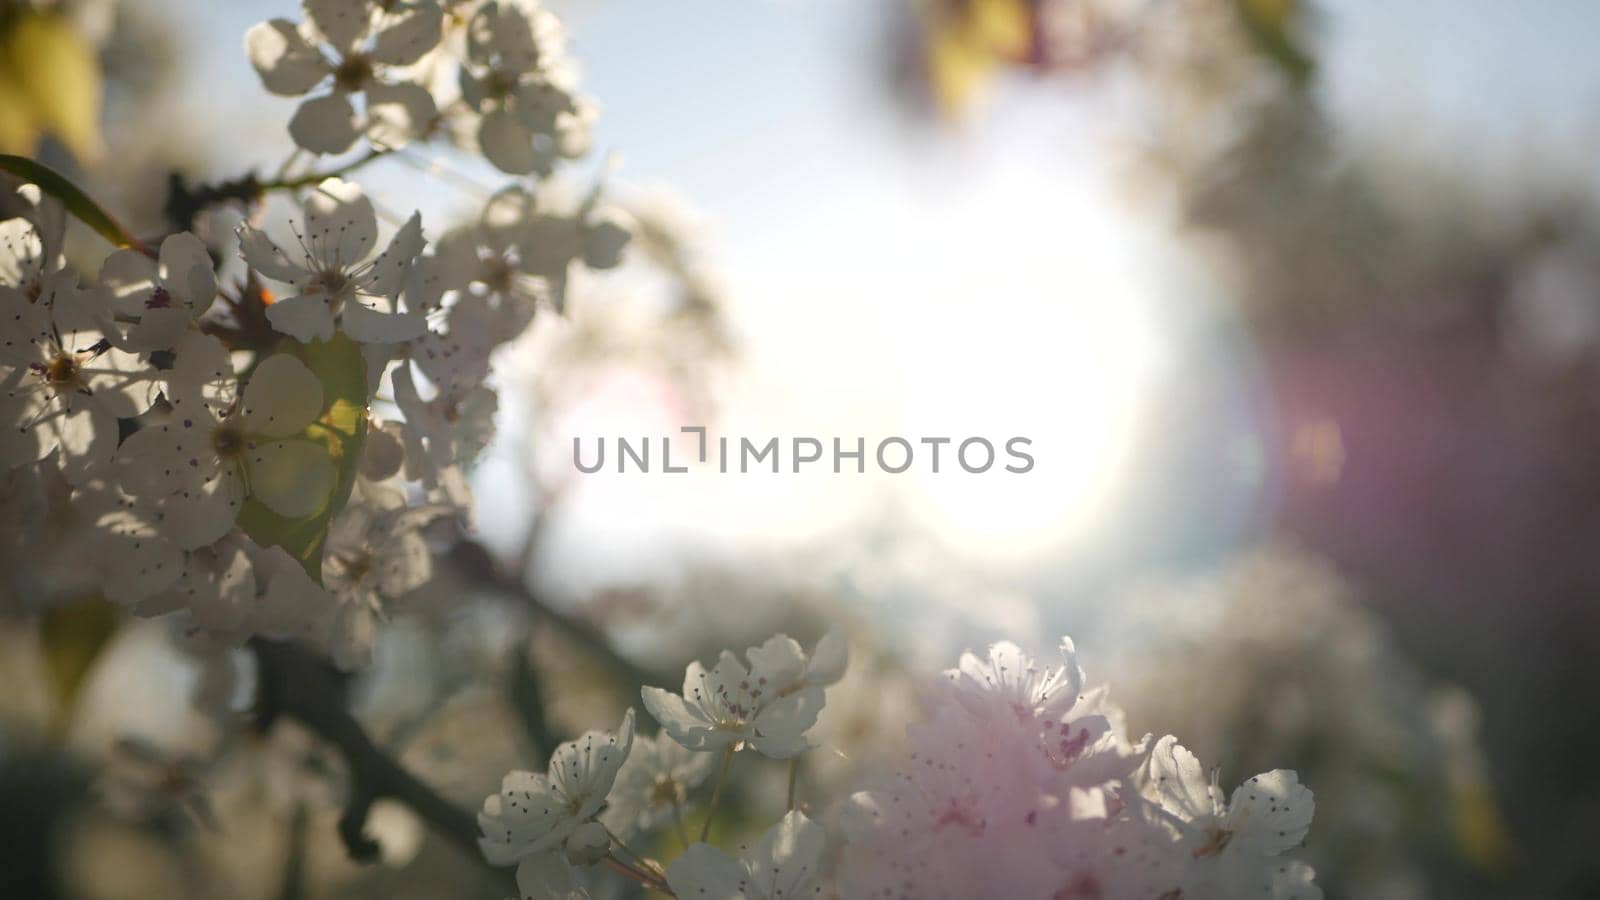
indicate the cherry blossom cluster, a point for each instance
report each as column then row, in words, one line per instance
column 1020, row 783
column 272, row 456
column 491, row 76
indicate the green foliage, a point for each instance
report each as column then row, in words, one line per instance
column 49, row 85
column 342, row 429
column 1272, row 26
column 72, row 198
column 73, row 635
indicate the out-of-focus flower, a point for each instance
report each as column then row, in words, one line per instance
column 990, row 805
column 653, row 785
column 515, row 77
column 370, row 43
column 375, row 552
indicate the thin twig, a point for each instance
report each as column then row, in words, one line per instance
column 474, row 563
column 296, row 684
column 794, row 777
column 716, row 792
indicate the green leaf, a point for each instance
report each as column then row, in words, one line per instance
column 73, row 198
column 1271, row 25
column 73, row 636
column 342, row 429
column 52, row 83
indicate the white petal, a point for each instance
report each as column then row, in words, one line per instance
column 342, row 22
column 786, row 860
column 368, row 325
column 202, row 375
column 382, row 454
column 287, row 64
column 604, row 240
column 706, row 873
column 325, row 124
column 187, row 271
column 407, row 34
column 157, row 329
column 304, row 318
column 1270, row 813
column 1172, row 777
column 507, row 143
column 203, row 515
column 828, row 659
column 390, row 268
column 548, row 876
column 293, row 478
column 130, row 276
column 780, row 728
column 263, row 255
column 398, row 113
column 86, row 439
column 282, row 398
column 341, row 225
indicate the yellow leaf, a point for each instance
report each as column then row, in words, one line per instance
column 50, row 84
column 341, row 429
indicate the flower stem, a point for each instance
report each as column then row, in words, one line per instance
column 643, row 864
column 794, row 777
column 677, row 820
column 716, row 792
column 645, row 878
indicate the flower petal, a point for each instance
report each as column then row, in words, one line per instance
column 287, row 63
column 304, row 318
column 325, row 124
column 130, row 276
column 342, row 22
column 372, row 326
column 341, row 225
column 201, row 516
column 407, row 34
column 293, row 478
column 187, row 271
column 263, row 255
column 507, row 143
column 282, row 398
column 706, row 873
column 390, row 268
column 397, row 113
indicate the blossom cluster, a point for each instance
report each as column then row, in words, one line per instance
column 1020, row 783
column 271, row 457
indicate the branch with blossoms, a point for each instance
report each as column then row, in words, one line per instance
column 269, row 460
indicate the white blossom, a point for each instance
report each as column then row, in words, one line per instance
column 538, row 815
column 768, row 706
column 30, row 246
column 515, row 77
column 786, row 864
column 63, row 385
column 1236, row 847
column 221, row 444
column 653, row 785
column 160, row 297
column 374, row 552
column 336, row 274
column 358, row 47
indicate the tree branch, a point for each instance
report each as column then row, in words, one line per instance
column 297, row 684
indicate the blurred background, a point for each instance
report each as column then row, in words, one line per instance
column 1299, row 303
